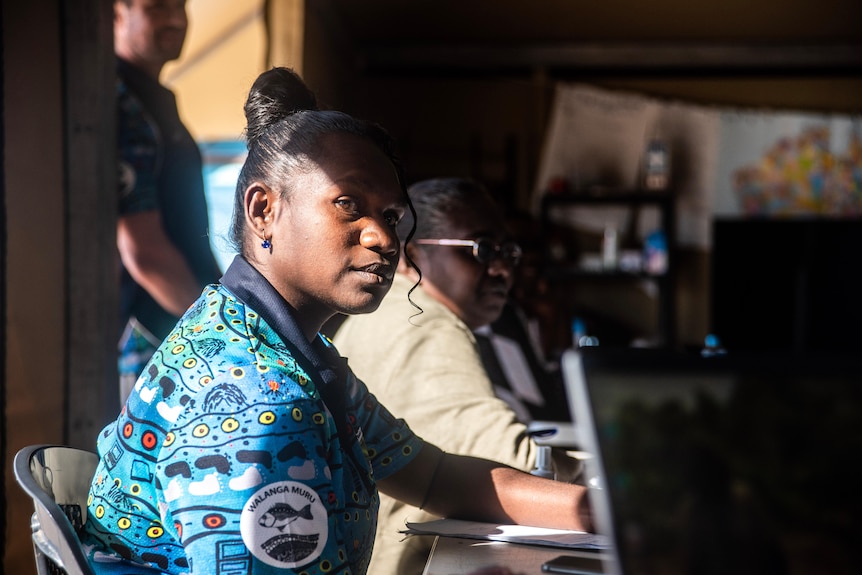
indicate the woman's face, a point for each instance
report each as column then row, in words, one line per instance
column 334, row 246
column 474, row 291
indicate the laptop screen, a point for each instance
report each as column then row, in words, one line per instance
column 734, row 464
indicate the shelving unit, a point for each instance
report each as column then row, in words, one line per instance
column 570, row 271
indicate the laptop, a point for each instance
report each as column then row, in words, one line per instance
column 730, row 464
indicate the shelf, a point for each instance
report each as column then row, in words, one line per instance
column 567, row 270
column 564, row 271
column 607, row 196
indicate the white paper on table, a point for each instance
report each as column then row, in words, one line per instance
column 508, row 533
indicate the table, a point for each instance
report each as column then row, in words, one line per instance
column 455, row 556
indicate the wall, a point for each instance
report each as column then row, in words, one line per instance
column 327, row 57
column 456, row 118
column 225, row 50
column 463, row 124
column 59, row 362
column 491, row 125
column 35, row 324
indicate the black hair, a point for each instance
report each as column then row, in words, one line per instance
column 432, row 204
column 284, row 131
column 436, row 200
column 275, row 93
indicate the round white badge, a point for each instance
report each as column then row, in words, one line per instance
column 285, row 524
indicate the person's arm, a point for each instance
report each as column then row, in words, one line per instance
column 466, row 487
column 155, row 263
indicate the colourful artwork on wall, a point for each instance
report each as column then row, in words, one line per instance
column 802, row 175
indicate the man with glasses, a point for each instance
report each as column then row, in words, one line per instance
column 418, row 352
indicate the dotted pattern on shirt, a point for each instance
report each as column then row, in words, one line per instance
column 222, row 418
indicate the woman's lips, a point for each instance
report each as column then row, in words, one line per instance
column 497, row 289
column 383, row 271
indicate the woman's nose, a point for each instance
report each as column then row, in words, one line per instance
column 379, row 236
column 501, row 267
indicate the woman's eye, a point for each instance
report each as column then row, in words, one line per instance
column 347, row 205
column 392, row 218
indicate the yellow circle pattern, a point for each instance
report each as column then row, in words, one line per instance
column 266, row 418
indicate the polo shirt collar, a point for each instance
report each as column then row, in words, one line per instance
column 254, row 290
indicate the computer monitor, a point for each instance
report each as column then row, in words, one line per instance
column 738, row 464
column 787, row 284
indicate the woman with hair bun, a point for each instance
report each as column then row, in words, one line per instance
column 247, row 443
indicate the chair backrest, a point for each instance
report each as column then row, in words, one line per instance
column 58, row 480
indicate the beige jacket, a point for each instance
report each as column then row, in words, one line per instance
column 425, row 368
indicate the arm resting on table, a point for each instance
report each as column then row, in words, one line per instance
column 464, row 487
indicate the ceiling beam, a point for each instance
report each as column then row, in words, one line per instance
column 663, row 58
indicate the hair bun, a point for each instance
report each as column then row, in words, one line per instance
column 275, row 95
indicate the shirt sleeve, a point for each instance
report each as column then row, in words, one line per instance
column 390, row 443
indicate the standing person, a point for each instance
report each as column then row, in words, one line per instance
column 426, row 367
column 162, row 226
column 247, row 443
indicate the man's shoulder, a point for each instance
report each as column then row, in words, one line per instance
column 402, row 327
column 397, row 313
column 135, row 81
column 137, row 94
column 130, row 110
column 133, row 114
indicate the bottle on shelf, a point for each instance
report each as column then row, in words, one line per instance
column 656, row 165
column 609, row 249
column 655, row 253
column 579, row 330
column 712, row 346
column 579, row 335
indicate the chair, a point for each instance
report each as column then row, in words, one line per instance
column 58, row 479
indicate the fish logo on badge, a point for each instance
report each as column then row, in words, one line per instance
column 282, row 515
column 285, row 524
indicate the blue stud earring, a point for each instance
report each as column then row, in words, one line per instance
column 265, row 244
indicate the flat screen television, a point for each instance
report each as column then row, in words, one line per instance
column 787, row 284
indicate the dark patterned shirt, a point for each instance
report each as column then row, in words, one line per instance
column 160, row 169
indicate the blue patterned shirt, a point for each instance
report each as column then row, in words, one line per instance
column 226, row 459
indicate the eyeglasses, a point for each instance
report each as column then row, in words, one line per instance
column 485, row 250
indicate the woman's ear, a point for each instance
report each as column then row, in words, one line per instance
column 259, row 204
